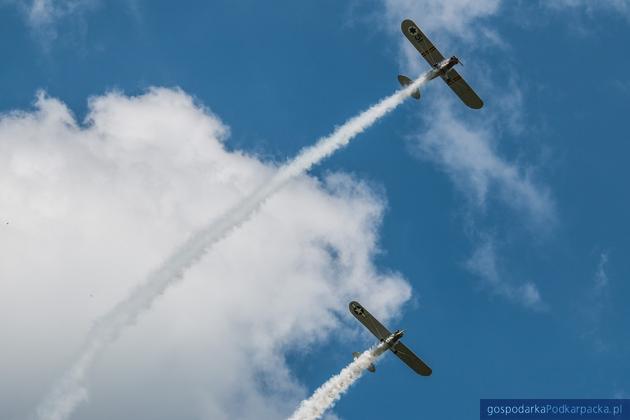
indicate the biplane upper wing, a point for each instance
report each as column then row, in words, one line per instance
column 461, row 89
column 421, row 42
column 369, row 321
column 411, row 360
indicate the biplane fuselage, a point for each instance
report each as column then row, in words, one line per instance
column 389, row 342
column 443, row 67
column 393, row 338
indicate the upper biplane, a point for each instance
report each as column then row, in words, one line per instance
column 390, row 340
column 442, row 67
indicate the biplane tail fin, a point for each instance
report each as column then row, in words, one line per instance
column 405, row 81
column 371, row 368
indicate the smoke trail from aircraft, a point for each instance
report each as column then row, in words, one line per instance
column 70, row 391
column 331, row 391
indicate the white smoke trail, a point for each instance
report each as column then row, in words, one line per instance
column 329, row 393
column 70, row 390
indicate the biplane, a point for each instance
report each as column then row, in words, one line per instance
column 440, row 66
column 390, row 341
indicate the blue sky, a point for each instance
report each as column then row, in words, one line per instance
column 509, row 223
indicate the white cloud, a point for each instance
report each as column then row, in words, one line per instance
column 456, row 17
column 48, row 12
column 453, row 22
column 467, row 153
column 484, row 263
column 47, row 19
column 596, row 307
column 41, row 12
column 619, row 7
column 601, row 277
column 93, row 207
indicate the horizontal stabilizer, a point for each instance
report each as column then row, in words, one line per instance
column 371, row 368
column 405, row 81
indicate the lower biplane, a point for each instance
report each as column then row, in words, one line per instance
column 390, row 341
